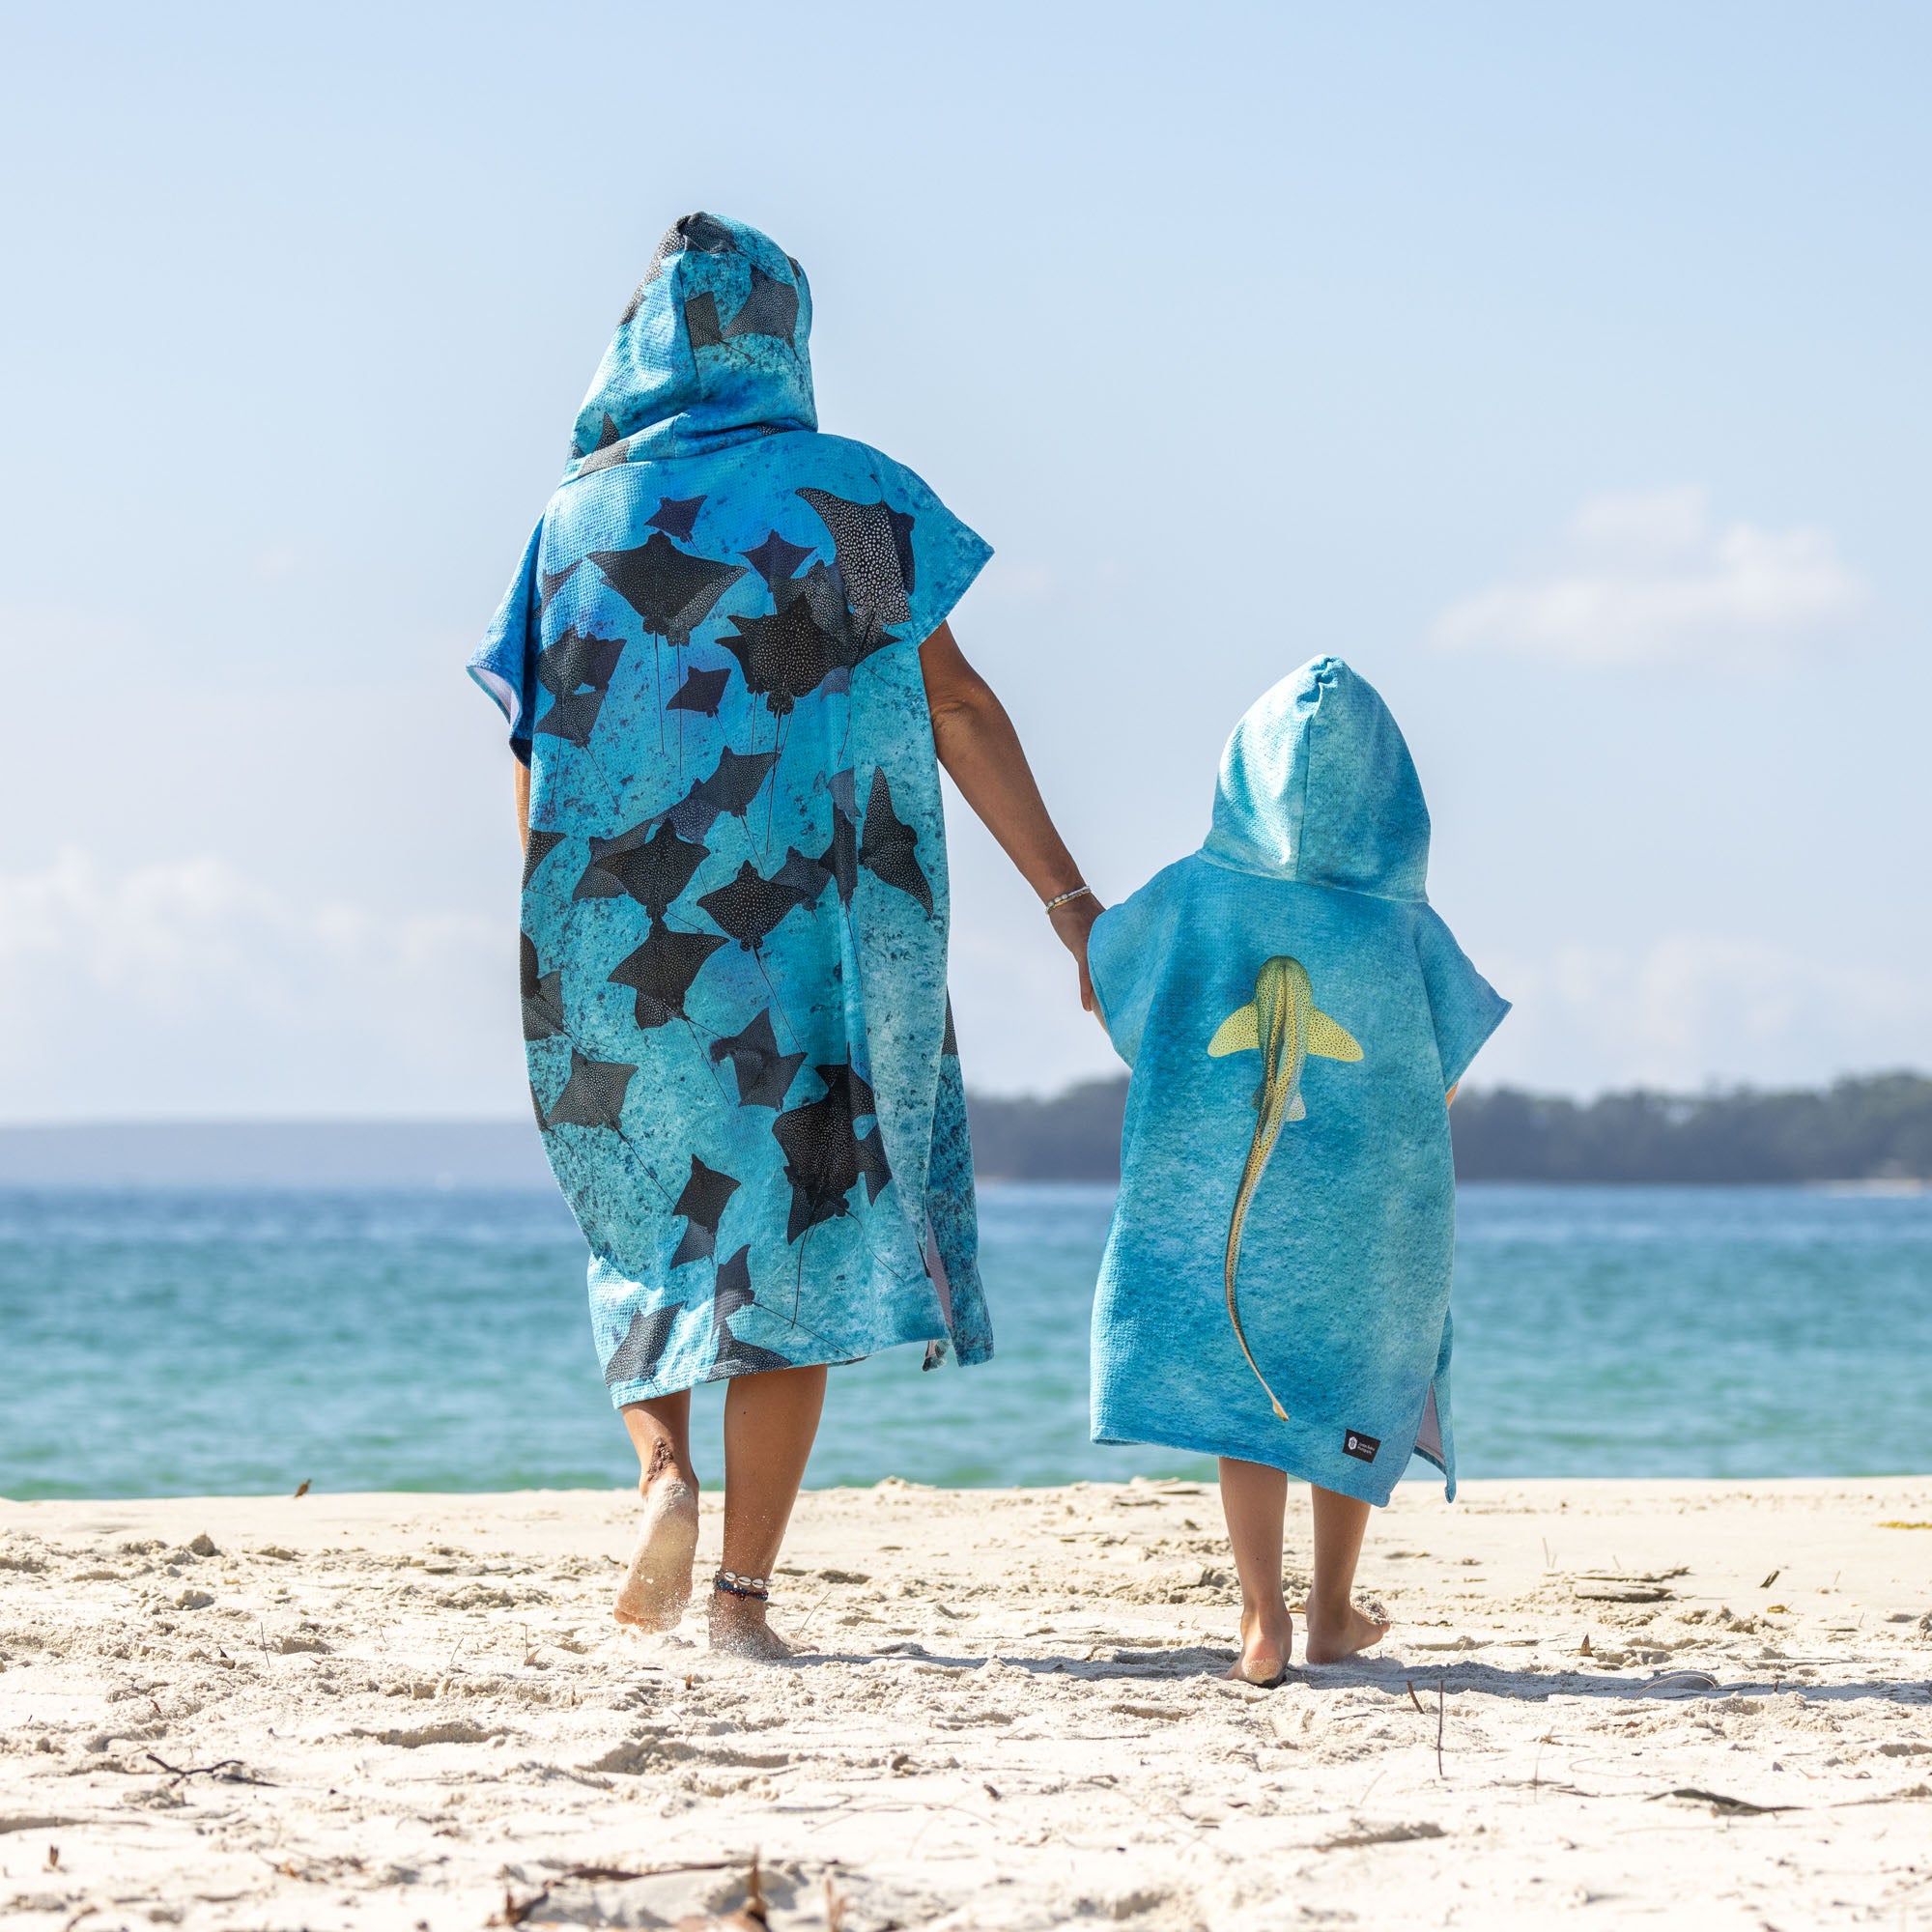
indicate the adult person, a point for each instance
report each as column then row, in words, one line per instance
column 729, row 684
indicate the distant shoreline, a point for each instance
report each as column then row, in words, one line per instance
column 1874, row 1132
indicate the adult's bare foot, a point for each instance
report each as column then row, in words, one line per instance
column 1333, row 1636
column 738, row 1629
column 1266, row 1643
column 657, row 1586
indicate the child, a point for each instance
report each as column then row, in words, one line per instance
column 1275, row 1290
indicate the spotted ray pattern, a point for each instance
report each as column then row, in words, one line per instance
column 735, row 905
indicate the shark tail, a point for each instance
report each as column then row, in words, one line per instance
column 1259, row 1150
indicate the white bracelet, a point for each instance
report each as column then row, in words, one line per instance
column 1053, row 905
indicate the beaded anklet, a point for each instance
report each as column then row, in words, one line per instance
column 753, row 1589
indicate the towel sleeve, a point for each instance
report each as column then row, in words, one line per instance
column 504, row 664
column 1464, row 1008
column 938, row 555
column 1125, row 955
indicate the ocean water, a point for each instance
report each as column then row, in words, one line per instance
column 185, row 1343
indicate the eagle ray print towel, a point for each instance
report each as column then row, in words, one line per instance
column 735, row 906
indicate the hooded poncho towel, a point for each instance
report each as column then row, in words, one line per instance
column 735, row 905
column 1293, row 1012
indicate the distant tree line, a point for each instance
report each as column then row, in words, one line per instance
column 1874, row 1128
column 1074, row 1136
column 1877, row 1129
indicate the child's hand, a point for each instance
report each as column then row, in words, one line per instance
column 1073, row 922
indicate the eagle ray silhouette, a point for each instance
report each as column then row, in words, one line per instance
column 638, row 1356
column 775, row 559
column 782, row 656
column 677, row 517
column 576, row 670
column 890, row 847
column 750, row 907
column 593, row 1096
column 765, row 1073
column 700, row 692
column 702, row 1205
column 735, row 780
column 873, row 543
column 732, row 1292
column 661, row 971
column 826, row 1156
column 671, row 590
column 653, row 869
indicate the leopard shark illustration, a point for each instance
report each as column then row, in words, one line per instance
column 1283, row 1024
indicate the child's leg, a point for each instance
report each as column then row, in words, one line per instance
column 1254, row 1498
column 1336, row 1629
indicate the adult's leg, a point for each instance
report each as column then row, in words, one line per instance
column 1336, row 1628
column 1253, row 1500
column 770, row 1422
column 657, row 1586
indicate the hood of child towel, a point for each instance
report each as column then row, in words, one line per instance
column 1316, row 786
column 711, row 351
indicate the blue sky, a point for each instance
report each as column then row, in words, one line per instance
column 1562, row 368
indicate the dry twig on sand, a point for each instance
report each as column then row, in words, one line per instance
column 230, row 1770
column 1733, row 1807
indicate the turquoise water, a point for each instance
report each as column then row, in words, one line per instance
column 171, row 1343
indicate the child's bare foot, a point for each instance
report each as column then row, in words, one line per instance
column 1266, row 1638
column 739, row 1629
column 1333, row 1635
column 657, row 1586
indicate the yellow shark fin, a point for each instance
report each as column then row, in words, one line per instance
column 1297, row 1109
column 1239, row 1033
column 1329, row 1041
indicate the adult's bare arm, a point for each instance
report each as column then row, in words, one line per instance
column 523, row 801
column 982, row 752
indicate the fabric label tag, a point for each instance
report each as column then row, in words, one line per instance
column 1361, row 1447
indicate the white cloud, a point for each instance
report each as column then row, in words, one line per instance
column 192, row 988
column 1692, row 1008
column 199, row 987
column 189, row 988
column 1649, row 575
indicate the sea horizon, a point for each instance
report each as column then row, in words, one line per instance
column 435, row 1340
column 1870, row 1130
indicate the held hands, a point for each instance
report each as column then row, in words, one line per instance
column 1073, row 922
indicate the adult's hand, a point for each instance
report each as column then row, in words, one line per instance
column 982, row 752
column 1073, row 922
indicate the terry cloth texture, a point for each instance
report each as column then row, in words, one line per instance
column 1293, row 1012
column 735, row 906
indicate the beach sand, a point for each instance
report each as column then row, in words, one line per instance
column 414, row 1711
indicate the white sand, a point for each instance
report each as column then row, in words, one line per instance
column 1014, row 1719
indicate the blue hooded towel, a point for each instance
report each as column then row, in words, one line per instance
column 734, row 907
column 1276, row 1282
